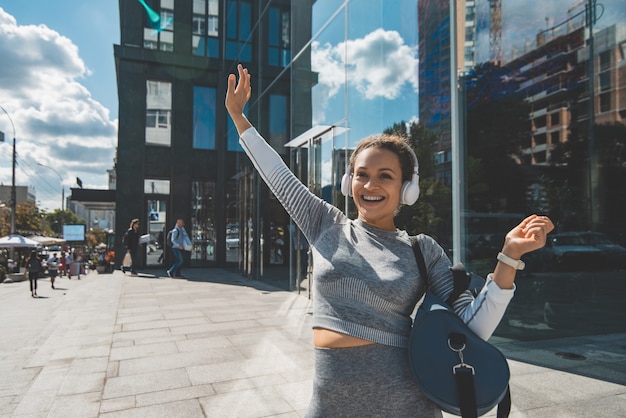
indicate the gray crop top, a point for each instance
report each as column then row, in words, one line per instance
column 365, row 280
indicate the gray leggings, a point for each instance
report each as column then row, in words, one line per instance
column 369, row 381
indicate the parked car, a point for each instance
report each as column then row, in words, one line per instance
column 570, row 251
column 613, row 254
column 232, row 240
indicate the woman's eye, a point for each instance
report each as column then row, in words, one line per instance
column 361, row 175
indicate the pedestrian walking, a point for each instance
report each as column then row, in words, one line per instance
column 131, row 243
column 62, row 265
column 179, row 240
column 53, row 268
column 34, row 268
column 366, row 282
column 68, row 264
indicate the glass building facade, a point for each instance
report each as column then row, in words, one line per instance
column 511, row 111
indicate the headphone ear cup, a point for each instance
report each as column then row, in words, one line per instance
column 346, row 184
column 410, row 191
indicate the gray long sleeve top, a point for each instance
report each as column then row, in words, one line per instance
column 366, row 282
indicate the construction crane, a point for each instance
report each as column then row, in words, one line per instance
column 495, row 32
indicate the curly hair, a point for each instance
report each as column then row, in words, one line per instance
column 394, row 143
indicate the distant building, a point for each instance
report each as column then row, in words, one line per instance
column 22, row 194
column 178, row 153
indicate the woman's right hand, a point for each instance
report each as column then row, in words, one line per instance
column 237, row 97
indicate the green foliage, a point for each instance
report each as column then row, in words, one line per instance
column 55, row 220
column 27, row 218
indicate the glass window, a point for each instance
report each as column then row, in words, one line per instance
column 156, row 228
column 205, row 28
column 158, row 112
column 278, row 52
column 159, row 25
column 155, row 186
column 204, row 117
column 278, row 122
column 238, row 26
column 202, row 228
column 565, row 171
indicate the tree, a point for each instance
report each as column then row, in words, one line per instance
column 56, row 219
column 27, row 219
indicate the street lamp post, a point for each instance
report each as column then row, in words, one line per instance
column 62, row 193
column 13, row 197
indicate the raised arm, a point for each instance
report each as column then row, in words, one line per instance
column 237, row 97
column 529, row 235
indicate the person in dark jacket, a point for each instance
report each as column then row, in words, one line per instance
column 131, row 243
column 34, row 267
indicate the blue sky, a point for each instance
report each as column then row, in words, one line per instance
column 57, row 81
column 93, row 26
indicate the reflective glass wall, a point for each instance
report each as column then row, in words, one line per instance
column 543, row 126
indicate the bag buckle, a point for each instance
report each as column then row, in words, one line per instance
column 456, row 343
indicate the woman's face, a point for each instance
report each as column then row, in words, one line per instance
column 376, row 184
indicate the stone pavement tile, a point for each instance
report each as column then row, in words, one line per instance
column 187, row 408
column 90, row 351
column 113, row 369
column 172, row 314
column 141, row 335
column 272, row 347
column 197, row 344
column 611, row 372
column 164, row 323
column 178, row 360
column 89, row 365
column 36, row 403
column 17, row 376
column 249, row 383
column 229, row 327
column 250, row 403
column 48, row 380
column 173, row 395
column 297, row 394
column 243, row 369
column 129, row 319
column 156, row 340
column 143, row 350
column 550, row 388
column 117, row 387
column 117, row 404
column 80, row 406
column 83, row 383
column 596, row 408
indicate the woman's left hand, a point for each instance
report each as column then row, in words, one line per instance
column 529, row 235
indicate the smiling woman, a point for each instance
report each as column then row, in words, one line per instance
column 365, row 278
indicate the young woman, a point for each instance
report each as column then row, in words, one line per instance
column 366, row 282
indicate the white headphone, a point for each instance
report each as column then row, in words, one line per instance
column 410, row 189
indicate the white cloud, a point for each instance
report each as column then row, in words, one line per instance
column 377, row 65
column 57, row 121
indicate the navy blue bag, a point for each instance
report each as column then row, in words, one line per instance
column 455, row 368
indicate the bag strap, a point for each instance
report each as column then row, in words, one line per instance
column 461, row 277
column 464, row 377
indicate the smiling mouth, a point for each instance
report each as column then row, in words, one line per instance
column 372, row 198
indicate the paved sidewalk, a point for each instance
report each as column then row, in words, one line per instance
column 218, row 345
